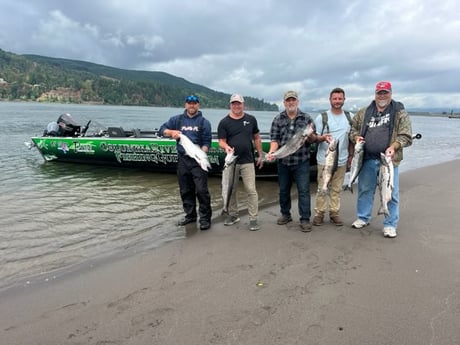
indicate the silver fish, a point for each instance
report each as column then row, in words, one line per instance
column 228, row 178
column 330, row 166
column 386, row 183
column 195, row 152
column 230, row 158
column 294, row 143
column 356, row 165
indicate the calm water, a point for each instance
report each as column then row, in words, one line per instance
column 55, row 216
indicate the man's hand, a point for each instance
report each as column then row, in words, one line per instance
column 260, row 162
column 390, row 151
column 269, row 157
column 359, row 139
column 174, row 133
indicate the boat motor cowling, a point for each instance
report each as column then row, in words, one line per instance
column 68, row 127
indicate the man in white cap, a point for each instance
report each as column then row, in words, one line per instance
column 238, row 132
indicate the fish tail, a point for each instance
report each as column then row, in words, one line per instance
column 348, row 187
column 383, row 210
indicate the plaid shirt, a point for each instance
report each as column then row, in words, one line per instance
column 283, row 128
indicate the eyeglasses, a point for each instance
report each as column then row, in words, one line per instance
column 192, row 98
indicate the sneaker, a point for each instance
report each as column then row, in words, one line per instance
column 335, row 219
column 253, row 226
column 358, row 224
column 205, row 225
column 284, row 219
column 185, row 221
column 305, row 225
column 389, row 231
column 318, row 220
column 230, row 220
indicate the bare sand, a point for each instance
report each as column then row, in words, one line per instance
column 335, row 285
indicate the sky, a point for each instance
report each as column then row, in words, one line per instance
column 258, row 48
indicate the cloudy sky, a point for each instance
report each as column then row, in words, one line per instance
column 258, row 48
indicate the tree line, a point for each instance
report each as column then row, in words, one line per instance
column 46, row 79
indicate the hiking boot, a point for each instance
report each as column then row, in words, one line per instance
column 389, row 231
column 185, row 221
column 359, row 223
column 284, row 219
column 253, row 226
column 335, row 219
column 230, row 220
column 305, row 225
column 318, row 220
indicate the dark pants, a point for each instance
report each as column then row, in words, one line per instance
column 193, row 185
column 300, row 174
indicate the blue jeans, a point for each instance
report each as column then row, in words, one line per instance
column 300, row 174
column 367, row 184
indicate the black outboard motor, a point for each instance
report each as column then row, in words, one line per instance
column 68, row 126
column 65, row 126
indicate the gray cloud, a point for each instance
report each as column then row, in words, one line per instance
column 258, row 48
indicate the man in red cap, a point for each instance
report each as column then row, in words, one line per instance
column 385, row 127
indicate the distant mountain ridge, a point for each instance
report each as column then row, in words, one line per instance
column 47, row 79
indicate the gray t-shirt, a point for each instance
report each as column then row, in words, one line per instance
column 377, row 136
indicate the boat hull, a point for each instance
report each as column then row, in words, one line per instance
column 152, row 154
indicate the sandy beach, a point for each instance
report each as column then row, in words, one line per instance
column 335, row 285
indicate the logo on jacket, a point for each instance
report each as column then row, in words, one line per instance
column 246, row 123
column 190, row 128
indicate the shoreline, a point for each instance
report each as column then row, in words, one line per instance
column 273, row 286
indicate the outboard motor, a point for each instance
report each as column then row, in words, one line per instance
column 52, row 130
column 68, row 126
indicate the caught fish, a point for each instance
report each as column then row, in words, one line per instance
column 195, row 152
column 230, row 158
column 330, row 166
column 294, row 143
column 228, row 178
column 386, row 177
column 356, row 165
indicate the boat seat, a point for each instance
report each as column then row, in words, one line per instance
column 116, row 132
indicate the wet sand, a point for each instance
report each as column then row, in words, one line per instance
column 335, row 285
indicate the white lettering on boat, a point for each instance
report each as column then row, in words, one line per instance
column 83, row 148
column 137, row 148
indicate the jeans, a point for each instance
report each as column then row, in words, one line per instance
column 367, row 184
column 300, row 174
column 248, row 175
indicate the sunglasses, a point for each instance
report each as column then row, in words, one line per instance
column 192, row 98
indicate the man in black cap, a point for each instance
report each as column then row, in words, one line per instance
column 193, row 180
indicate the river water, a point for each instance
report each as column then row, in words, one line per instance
column 57, row 216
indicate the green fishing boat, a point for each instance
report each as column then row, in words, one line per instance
column 67, row 141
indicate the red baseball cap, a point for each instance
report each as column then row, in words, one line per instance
column 383, row 86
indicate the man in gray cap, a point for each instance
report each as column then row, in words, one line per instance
column 295, row 167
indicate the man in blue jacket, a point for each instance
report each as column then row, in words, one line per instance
column 193, row 180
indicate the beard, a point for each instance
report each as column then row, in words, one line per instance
column 291, row 108
column 382, row 104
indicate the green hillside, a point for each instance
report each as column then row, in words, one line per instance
column 46, row 79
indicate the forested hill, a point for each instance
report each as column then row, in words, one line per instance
column 46, row 79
